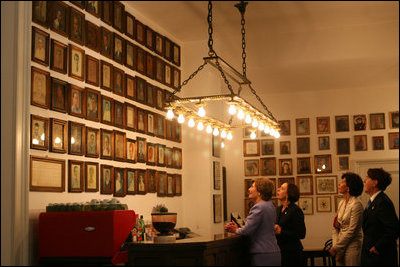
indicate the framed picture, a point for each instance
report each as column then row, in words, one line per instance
column 161, row 156
column 39, row 12
column 106, row 179
column 275, row 202
column 92, row 142
column 106, row 11
column 151, row 123
column 324, row 204
column 151, row 154
column 248, row 204
column 251, row 167
column 40, row 88
column 107, row 109
column 360, row 143
column 285, row 127
column 337, row 201
column 93, row 38
column 393, row 140
column 151, row 181
column 119, row 114
column 273, row 180
column 267, row 147
column 130, row 150
column 141, row 150
column 130, row 55
column 75, row 175
column 169, row 129
column 303, row 145
column 176, row 54
column 216, row 146
column 130, row 86
column 59, row 93
column 130, row 117
column 40, row 46
column 77, row 26
column 92, row 177
column 342, row 123
column 323, row 163
column 118, row 18
column 323, row 143
column 150, row 93
column 150, row 65
column 285, row 167
column 140, row 32
column 178, row 184
column 344, row 163
column 326, row 185
column 168, row 157
column 303, row 126
column 46, row 174
column 149, row 38
column 282, row 180
column 131, row 181
column 161, row 178
column 106, row 48
column 76, row 137
column 323, row 125
column 141, row 182
column 160, row 126
column 305, row 185
column 58, row 135
column 118, row 53
column 284, row 147
column 268, row 166
column 377, row 143
column 159, row 44
column 140, row 90
column 304, row 165
column 177, row 158
column 217, row 207
column 168, row 49
column 129, row 25
column 58, row 57
column 141, row 120
column 118, row 81
column 170, row 184
column 306, row 205
column 160, row 95
column 119, row 146
column 159, row 70
column 360, row 122
column 39, row 132
column 141, row 60
column 92, row 105
column 92, row 71
column 106, row 75
column 217, row 175
column 377, row 121
column 342, row 146
column 76, row 101
column 177, row 134
column 176, row 78
column 106, row 144
column 93, row 7
column 119, row 182
column 251, row 148
column 394, row 120
column 76, row 62
column 167, row 73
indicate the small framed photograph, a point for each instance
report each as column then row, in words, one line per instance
column 268, row 166
column 76, row 137
column 323, row 163
column 92, row 104
column 303, row 145
column 39, row 132
column 306, row 205
column 118, row 81
column 76, row 101
column 304, row 165
column 58, row 135
column 106, row 144
column 303, row 126
column 342, row 123
column 247, row 184
column 176, row 78
column 159, row 44
column 151, row 123
column 342, row 146
column 75, row 175
column 92, row 177
column 160, row 95
column 285, row 167
column 324, row 204
column 170, row 184
column 167, row 73
column 93, row 7
column 377, row 121
column 251, row 148
column 217, row 175
column 140, row 90
column 59, row 93
column 141, row 120
column 130, row 117
column 151, row 181
column 285, row 127
column 40, row 88
column 119, row 114
column 305, row 185
column 131, row 150
column 326, row 185
column 267, row 147
column 160, row 126
column 106, row 11
column 176, row 54
column 39, row 12
column 282, row 180
column 161, row 156
column 77, row 26
column 216, row 146
column 106, row 75
column 58, row 57
column 217, row 207
column 107, row 109
column 92, row 142
column 344, row 163
column 130, row 25
column 377, row 143
column 131, row 181
column 337, row 201
column 251, row 167
column 360, row 122
column 151, row 154
column 140, row 32
column 130, row 55
column 141, row 182
column 92, row 40
column 141, row 60
column 118, row 53
column 40, row 46
column 149, row 38
column 177, row 158
column 150, row 59
column 323, row 143
column 323, row 125
column 178, row 184
column 130, row 86
column 92, row 71
column 159, row 70
column 168, row 157
column 119, row 146
column 169, row 126
column 141, row 150
column 46, row 174
column 168, row 49
column 393, row 140
column 248, row 204
column 106, row 48
column 76, row 62
column 177, row 134
column 360, row 143
column 118, row 16
column 394, row 120
column 161, row 178
column 284, row 147
column 106, row 179
column 119, row 182
column 150, row 95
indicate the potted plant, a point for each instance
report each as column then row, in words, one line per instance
column 162, row 220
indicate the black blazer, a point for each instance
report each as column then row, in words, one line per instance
column 381, row 229
column 291, row 220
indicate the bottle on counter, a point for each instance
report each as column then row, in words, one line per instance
column 135, row 230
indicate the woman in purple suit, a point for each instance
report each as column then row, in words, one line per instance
column 259, row 228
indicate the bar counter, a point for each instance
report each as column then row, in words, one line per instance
column 214, row 250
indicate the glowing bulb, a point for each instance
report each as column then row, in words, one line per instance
column 42, row 137
column 201, row 112
column 240, row 114
column 72, row 140
column 200, row 126
column 191, row 123
column 248, row 119
column 266, row 129
column 255, row 123
column 272, row 132
column 222, row 144
column 229, row 136
column 181, row 119
column 261, row 126
column 209, row 129
column 223, row 134
column 232, row 109
column 253, row 135
column 170, row 114
column 277, row 134
column 57, row 140
column 216, row 131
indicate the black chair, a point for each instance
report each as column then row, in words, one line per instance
column 331, row 260
column 323, row 253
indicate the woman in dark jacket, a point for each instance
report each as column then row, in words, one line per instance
column 290, row 227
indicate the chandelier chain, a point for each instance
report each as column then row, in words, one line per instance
column 190, row 77
column 262, row 103
column 243, row 45
column 211, row 51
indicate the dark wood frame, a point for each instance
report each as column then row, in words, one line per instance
column 303, row 140
column 267, row 143
column 126, row 123
column 165, row 80
column 307, row 130
column 161, row 147
column 151, row 114
column 371, row 117
column 217, row 199
column 83, row 133
column 64, row 137
column 311, row 181
column 128, row 140
column 46, row 36
column 356, row 138
column 347, row 152
column 340, row 166
column 102, row 64
column 97, row 15
column 104, row 32
column 330, row 203
column 312, row 204
column 128, row 15
column 289, row 180
column 344, row 118
column 364, row 118
column 306, row 159
column 139, row 81
column 97, row 93
column 149, row 162
column 134, row 54
column 110, row 12
column 391, row 139
column 281, row 144
column 141, row 113
column 134, row 171
column 287, row 130
column 178, row 179
column 316, row 157
column 97, row 134
column 65, row 86
column 375, row 139
column 139, row 173
column 46, row 132
column 159, row 39
column 82, row 92
column 47, row 188
column 141, row 60
column 86, row 177
column 118, row 5
column 177, row 132
column 281, row 162
column 170, row 177
column 168, row 157
column 150, row 65
column 34, row 15
column 138, row 141
column 81, row 175
column 123, row 171
column 82, row 65
column 52, row 13
column 117, row 124
column 64, row 47
column 159, row 71
column 150, row 42
column 138, row 38
column 151, row 173
column 328, row 128
column 150, row 99
column 122, row 58
column 176, row 77
column 122, row 74
column 160, row 132
column 168, row 52
column 262, row 160
column 111, row 133
column 96, row 81
column 169, row 129
column 123, row 135
column 102, row 189
column 103, row 98
column 392, row 115
column 131, row 78
column 335, row 187
column 176, row 61
column 161, row 175
column 76, row 12
column 176, row 151
column 320, row 138
column 245, row 142
column 217, row 175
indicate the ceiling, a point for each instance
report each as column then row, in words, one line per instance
column 293, row 46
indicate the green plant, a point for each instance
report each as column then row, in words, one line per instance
column 159, row 208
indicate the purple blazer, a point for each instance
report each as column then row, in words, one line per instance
column 260, row 228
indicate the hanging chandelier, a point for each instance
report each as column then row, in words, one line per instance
column 242, row 114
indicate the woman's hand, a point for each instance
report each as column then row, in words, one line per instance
column 231, row 227
column 278, row 229
column 332, row 251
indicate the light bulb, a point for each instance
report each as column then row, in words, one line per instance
column 209, row 129
column 229, row 136
column 248, row 119
column 266, row 129
column 222, row 144
column 255, row 123
column 232, row 109
column 191, row 123
column 253, row 135
column 181, row 119
column 240, row 114
column 200, row 126
column 271, row 132
column 223, row 134
column 277, row 134
column 170, row 114
column 261, row 126
column 216, row 131
column 201, row 112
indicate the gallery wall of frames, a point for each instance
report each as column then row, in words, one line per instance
column 290, row 158
column 99, row 79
